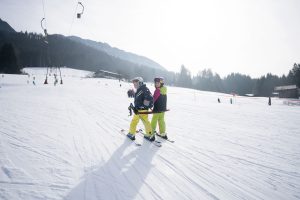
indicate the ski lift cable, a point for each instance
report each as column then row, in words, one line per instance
column 70, row 29
column 79, row 14
column 42, row 23
column 43, row 1
column 44, row 27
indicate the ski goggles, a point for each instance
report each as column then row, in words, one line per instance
column 158, row 80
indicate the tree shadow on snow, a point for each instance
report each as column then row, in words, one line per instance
column 121, row 177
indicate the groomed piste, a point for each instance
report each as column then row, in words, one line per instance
column 64, row 142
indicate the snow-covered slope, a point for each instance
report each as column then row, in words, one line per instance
column 64, row 142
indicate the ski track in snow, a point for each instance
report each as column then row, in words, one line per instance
column 64, row 142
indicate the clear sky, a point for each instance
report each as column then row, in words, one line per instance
column 252, row 37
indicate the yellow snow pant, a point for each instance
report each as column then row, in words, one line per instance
column 135, row 120
column 160, row 118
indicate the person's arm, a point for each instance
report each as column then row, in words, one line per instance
column 156, row 95
column 148, row 98
column 163, row 90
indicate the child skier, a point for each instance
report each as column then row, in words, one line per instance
column 143, row 100
column 160, row 106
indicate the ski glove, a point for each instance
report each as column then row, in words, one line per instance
column 146, row 103
column 135, row 110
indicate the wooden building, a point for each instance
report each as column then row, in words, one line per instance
column 107, row 74
column 288, row 91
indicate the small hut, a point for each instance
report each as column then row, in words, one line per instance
column 288, row 91
column 106, row 74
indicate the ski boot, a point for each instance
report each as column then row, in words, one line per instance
column 150, row 137
column 131, row 136
column 162, row 135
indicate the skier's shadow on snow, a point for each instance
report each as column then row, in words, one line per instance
column 121, row 177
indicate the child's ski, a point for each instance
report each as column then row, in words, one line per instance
column 134, row 141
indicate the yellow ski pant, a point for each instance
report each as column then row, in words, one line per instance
column 135, row 120
column 160, row 118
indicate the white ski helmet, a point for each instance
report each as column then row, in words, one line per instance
column 137, row 79
column 159, row 80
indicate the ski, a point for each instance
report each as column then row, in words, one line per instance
column 134, row 141
column 172, row 141
column 155, row 142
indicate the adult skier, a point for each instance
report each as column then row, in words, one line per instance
column 143, row 100
column 160, row 106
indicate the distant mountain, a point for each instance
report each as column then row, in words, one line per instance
column 4, row 26
column 32, row 51
column 118, row 53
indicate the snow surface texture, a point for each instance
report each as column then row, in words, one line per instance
column 64, row 142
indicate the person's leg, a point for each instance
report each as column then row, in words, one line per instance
column 154, row 122
column 162, row 124
column 148, row 129
column 135, row 120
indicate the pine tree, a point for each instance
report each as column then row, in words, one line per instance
column 184, row 79
column 8, row 60
column 296, row 74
